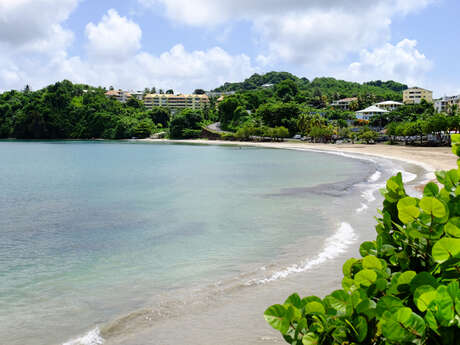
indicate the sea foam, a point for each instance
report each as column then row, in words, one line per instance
column 333, row 247
column 93, row 337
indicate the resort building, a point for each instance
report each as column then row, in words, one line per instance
column 175, row 102
column 389, row 105
column 123, row 96
column 119, row 95
column 444, row 104
column 414, row 95
column 344, row 104
column 368, row 113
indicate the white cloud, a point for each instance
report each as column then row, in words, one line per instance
column 402, row 62
column 26, row 22
column 115, row 37
column 115, row 58
column 310, row 33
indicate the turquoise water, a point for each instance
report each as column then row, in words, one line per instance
column 93, row 230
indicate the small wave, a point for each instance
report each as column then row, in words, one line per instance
column 363, row 208
column 93, row 337
column 334, row 246
column 375, row 176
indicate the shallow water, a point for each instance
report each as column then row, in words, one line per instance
column 141, row 238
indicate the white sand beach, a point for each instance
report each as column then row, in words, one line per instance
column 430, row 158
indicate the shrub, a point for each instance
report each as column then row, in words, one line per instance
column 405, row 287
column 187, row 119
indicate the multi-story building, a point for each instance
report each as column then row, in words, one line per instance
column 389, row 105
column 444, row 104
column 123, row 96
column 414, row 95
column 119, row 95
column 175, row 102
column 344, row 104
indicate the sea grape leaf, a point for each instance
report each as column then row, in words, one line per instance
column 365, row 277
column 361, row 328
column 367, row 307
column 455, row 140
column 423, row 297
column 451, row 179
column 348, row 284
column 408, row 210
column 295, row 301
column 367, row 248
column 446, row 248
column 431, row 321
column 433, row 206
column 395, row 189
column 444, row 306
column 341, row 302
column 406, row 277
column 310, row 339
column 388, row 303
column 309, row 299
column 418, row 231
column 372, row 262
column 314, row 307
column 453, row 227
column 277, row 317
column 431, row 189
column 402, row 326
column 423, row 278
column 441, row 176
column 301, row 326
column 348, row 266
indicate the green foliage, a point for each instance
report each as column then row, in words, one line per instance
column 186, row 124
column 321, row 91
column 367, row 135
column 405, row 287
column 287, row 90
column 65, row 110
column 160, row 115
column 280, row 114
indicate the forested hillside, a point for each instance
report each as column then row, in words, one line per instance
column 332, row 88
column 65, row 110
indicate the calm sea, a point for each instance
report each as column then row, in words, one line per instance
column 120, row 238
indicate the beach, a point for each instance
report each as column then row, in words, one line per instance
column 318, row 274
column 288, row 226
column 430, row 158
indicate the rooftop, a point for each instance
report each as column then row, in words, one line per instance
column 390, row 103
column 373, row 109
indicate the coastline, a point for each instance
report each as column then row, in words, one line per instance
column 320, row 267
column 430, row 159
column 319, row 272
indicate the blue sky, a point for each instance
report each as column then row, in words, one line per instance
column 183, row 44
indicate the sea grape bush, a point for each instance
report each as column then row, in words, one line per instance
column 405, row 287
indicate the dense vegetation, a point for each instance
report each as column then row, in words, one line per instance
column 287, row 106
column 405, row 287
column 65, row 110
column 330, row 88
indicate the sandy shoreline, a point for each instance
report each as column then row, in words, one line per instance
column 429, row 158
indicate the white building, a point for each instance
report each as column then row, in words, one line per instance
column 389, row 105
column 119, row 95
column 175, row 102
column 443, row 104
column 368, row 113
column 344, row 104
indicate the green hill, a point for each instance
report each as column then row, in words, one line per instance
column 330, row 87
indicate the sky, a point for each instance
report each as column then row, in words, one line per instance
column 185, row 45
